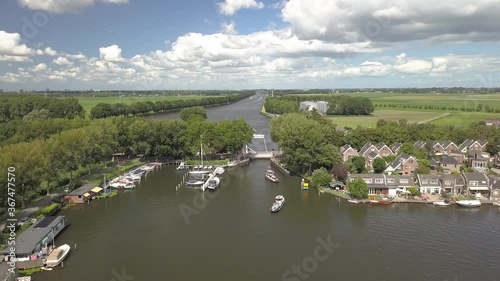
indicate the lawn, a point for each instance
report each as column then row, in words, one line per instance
column 464, row 118
column 89, row 102
column 388, row 115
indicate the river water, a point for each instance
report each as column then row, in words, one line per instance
column 159, row 233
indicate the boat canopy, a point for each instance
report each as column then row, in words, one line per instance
column 86, row 194
column 96, row 189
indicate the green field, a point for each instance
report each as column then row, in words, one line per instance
column 465, row 118
column 89, row 102
column 388, row 115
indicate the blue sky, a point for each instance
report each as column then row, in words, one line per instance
column 240, row 44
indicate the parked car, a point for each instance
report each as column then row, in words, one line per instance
column 23, row 221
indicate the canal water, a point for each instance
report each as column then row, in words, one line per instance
column 159, row 233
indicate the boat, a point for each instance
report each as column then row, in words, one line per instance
column 270, row 176
column 210, row 167
column 469, row 203
column 353, row 201
column 57, row 256
column 213, row 184
column 219, row 171
column 442, row 203
column 382, row 201
column 182, row 166
column 496, row 204
column 232, row 164
column 200, row 172
column 279, row 201
column 195, row 182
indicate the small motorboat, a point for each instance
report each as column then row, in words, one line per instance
column 442, row 203
column 232, row 164
column 195, row 182
column 496, row 204
column 57, row 256
column 219, row 171
column 382, row 201
column 210, row 167
column 469, row 203
column 270, row 176
column 279, row 201
column 213, row 184
column 353, row 201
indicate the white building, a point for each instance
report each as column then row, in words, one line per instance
column 320, row 106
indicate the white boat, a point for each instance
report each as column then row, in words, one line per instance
column 232, row 164
column 195, row 182
column 353, row 201
column 210, row 167
column 496, row 204
column 441, row 203
column 219, row 171
column 134, row 177
column 469, row 203
column 57, row 256
column 213, row 184
column 200, row 172
column 279, row 201
column 182, row 166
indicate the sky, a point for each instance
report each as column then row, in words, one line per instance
column 248, row 44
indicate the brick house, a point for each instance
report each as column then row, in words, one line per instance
column 438, row 148
column 395, row 147
column 452, row 184
column 476, row 160
column 429, row 183
column 375, row 182
column 449, row 164
column 449, row 146
column 383, row 149
column 470, row 145
column 476, row 182
column 404, row 164
column 348, row 152
column 395, row 182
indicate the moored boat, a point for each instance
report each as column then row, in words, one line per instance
column 353, row 201
column 57, row 256
column 279, row 201
column 182, row 166
column 270, row 176
column 213, row 184
column 195, row 182
column 496, row 204
column 219, row 171
column 441, row 203
column 382, row 201
column 469, row 203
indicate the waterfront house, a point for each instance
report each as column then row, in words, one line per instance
column 404, row 164
column 395, row 147
column 476, row 182
column 477, row 161
column 429, row 183
column 452, row 184
column 495, row 187
column 36, row 237
column 449, row 164
column 395, row 182
column 376, row 183
column 83, row 194
column 348, row 152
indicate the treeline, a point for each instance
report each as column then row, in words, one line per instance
column 480, row 107
column 14, row 107
column 307, row 138
column 103, row 110
column 42, row 164
column 337, row 104
column 145, row 93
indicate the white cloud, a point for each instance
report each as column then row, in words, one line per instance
column 10, row 45
column 78, row 56
column 393, row 21
column 230, row 7
column 228, row 28
column 48, row 51
column 64, row 6
column 112, row 53
column 39, row 67
column 62, row 61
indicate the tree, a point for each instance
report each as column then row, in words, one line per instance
column 358, row 188
column 187, row 113
column 414, row 191
column 359, row 164
column 379, row 165
column 381, row 123
column 321, row 177
column 423, row 167
column 493, row 146
column 340, row 172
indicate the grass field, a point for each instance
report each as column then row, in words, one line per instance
column 89, row 102
column 464, row 118
column 388, row 115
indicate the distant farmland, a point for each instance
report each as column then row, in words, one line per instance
column 388, row 115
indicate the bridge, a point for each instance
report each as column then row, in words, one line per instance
column 260, row 154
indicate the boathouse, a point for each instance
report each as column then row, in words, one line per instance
column 83, row 194
column 36, row 237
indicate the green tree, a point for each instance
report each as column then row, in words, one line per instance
column 379, row 165
column 359, row 164
column 381, row 123
column 321, row 177
column 414, row 191
column 358, row 188
column 423, row 167
column 187, row 113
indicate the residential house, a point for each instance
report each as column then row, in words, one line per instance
column 433, row 164
column 348, row 152
column 383, row 149
column 398, row 182
column 369, row 152
column 449, row 146
column 404, row 164
column 449, row 164
column 429, row 183
column 495, row 187
column 460, row 157
column 452, row 184
column 438, row 148
column 496, row 160
column 476, row 182
column 376, row 183
column 477, row 161
column 395, row 147
column 83, row 194
column 469, row 145
column 419, row 144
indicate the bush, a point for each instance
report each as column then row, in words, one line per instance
column 49, row 210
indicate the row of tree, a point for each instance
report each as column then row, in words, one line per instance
column 337, row 104
column 49, row 162
column 103, row 110
column 14, row 107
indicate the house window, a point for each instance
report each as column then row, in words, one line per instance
column 368, row 180
column 473, row 183
column 379, row 180
column 410, row 161
column 390, row 180
column 403, row 180
column 79, row 196
column 373, row 149
column 436, row 190
column 371, row 191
